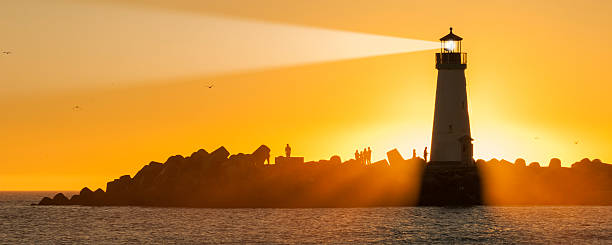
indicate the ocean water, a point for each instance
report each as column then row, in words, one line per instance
column 21, row 223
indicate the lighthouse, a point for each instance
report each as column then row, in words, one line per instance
column 451, row 142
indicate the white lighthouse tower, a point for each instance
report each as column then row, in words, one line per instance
column 451, row 142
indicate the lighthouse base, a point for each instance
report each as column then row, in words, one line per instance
column 450, row 184
column 450, row 164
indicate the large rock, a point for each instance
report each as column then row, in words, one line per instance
column 197, row 162
column 505, row 163
column 395, row 157
column 260, row 155
column 46, row 201
column 174, row 161
column 99, row 197
column 86, row 192
column 84, row 197
column 170, row 171
column 534, row 165
column 238, row 165
column 144, row 178
column 119, row 186
column 60, row 199
column 76, row 200
column 200, row 155
column 337, row 160
column 554, row 163
column 379, row 164
column 219, row 155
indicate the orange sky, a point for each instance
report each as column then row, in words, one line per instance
column 537, row 83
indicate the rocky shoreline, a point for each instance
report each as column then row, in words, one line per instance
column 220, row 180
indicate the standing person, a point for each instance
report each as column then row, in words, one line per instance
column 287, row 151
column 413, row 153
column 364, row 156
column 369, row 155
column 357, row 155
column 425, row 154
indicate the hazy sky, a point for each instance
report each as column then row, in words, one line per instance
column 538, row 81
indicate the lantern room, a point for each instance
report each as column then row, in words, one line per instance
column 450, row 43
column 450, row 56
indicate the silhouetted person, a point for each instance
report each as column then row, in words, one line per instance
column 425, row 154
column 413, row 153
column 364, row 157
column 357, row 155
column 369, row 156
column 287, row 151
column 361, row 157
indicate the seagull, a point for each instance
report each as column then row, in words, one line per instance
column 6, row 52
column 76, row 107
column 211, row 86
column 575, row 142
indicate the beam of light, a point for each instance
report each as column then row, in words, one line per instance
column 93, row 45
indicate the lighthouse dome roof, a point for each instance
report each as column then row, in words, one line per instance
column 451, row 37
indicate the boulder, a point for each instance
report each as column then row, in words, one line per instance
column 85, row 192
column 505, row 162
column 174, row 161
column 171, row 169
column 480, row 162
column 76, row 199
column 98, row 196
column 351, row 162
column 534, row 165
column 520, row 162
column 219, row 155
column 239, row 159
column 146, row 175
column 85, row 197
column 46, row 201
column 395, row 157
column 336, row 160
column 119, row 186
column 494, row 162
column 381, row 163
column 196, row 161
column 200, row 154
column 554, row 163
column 60, row 199
column 260, row 155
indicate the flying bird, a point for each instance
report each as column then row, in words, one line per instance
column 76, row 108
column 6, row 52
column 210, row 86
column 575, row 142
